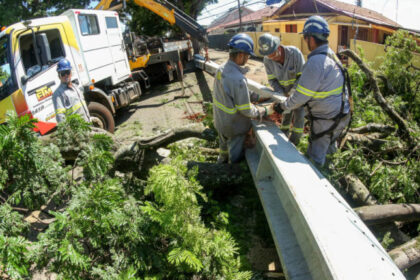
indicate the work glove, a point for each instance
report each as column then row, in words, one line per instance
column 265, row 110
column 277, row 106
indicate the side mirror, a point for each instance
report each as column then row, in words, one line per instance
column 24, row 79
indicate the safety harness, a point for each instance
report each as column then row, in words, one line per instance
column 341, row 114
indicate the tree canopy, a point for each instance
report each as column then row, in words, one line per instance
column 146, row 22
column 12, row 11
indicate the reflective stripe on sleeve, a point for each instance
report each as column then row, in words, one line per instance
column 70, row 110
column 271, row 77
column 319, row 94
column 243, row 107
column 225, row 109
column 297, row 130
column 287, row 83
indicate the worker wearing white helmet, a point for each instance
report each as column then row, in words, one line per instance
column 284, row 65
column 323, row 89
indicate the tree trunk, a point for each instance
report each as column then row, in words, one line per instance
column 406, row 255
column 358, row 191
column 378, row 214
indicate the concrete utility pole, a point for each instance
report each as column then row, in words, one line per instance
column 240, row 17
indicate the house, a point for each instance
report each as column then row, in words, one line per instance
column 229, row 16
column 250, row 22
column 351, row 26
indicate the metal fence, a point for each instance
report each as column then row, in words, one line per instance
column 219, row 41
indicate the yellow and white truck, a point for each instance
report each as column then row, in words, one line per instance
column 91, row 40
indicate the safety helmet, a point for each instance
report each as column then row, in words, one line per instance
column 268, row 43
column 316, row 26
column 63, row 65
column 243, row 43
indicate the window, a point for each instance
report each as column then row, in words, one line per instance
column 277, row 30
column 88, row 24
column 7, row 85
column 111, row 22
column 51, row 56
column 362, row 34
column 291, row 28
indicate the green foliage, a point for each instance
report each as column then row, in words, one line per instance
column 390, row 171
column 13, row 256
column 13, row 11
column 403, row 79
column 73, row 133
column 145, row 22
column 102, row 232
column 30, row 173
column 193, row 247
column 12, row 222
column 387, row 240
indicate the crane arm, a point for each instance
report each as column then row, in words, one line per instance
column 164, row 9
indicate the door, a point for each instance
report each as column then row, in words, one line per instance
column 116, row 45
column 38, row 74
column 344, row 36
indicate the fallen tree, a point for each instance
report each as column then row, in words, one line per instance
column 377, row 214
column 406, row 255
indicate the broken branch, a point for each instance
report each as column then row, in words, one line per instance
column 402, row 125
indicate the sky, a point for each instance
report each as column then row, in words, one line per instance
column 405, row 12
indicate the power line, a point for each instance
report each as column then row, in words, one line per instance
column 224, row 12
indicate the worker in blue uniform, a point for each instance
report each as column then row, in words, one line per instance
column 232, row 107
column 323, row 89
column 67, row 98
column 284, row 65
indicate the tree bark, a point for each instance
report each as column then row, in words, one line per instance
column 406, row 255
column 402, row 125
column 176, row 134
column 372, row 140
column 373, row 127
column 358, row 191
column 378, row 214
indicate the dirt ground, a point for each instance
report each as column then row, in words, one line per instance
column 162, row 106
column 165, row 106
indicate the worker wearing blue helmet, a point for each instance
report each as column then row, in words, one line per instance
column 323, row 89
column 67, row 98
column 232, row 107
column 283, row 65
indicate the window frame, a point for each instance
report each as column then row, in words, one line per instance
column 111, row 17
column 97, row 24
column 63, row 49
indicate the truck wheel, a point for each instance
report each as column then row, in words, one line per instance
column 101, row 116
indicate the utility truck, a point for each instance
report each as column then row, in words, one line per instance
column 106, row 65
column 91, row 40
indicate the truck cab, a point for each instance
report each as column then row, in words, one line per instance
column 91, row 40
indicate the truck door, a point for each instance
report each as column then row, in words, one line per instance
column 37, row 73
column 116, row 45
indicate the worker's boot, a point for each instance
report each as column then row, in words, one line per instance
column 223, row 157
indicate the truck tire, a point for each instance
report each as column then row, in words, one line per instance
column 101, row 116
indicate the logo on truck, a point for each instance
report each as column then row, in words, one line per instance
column 43, row 91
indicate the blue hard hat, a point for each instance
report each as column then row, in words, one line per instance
column 268, row 43
column 63, row 65
column 316, row 26
column 242, row 42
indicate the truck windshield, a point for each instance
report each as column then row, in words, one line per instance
column 6, row 79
